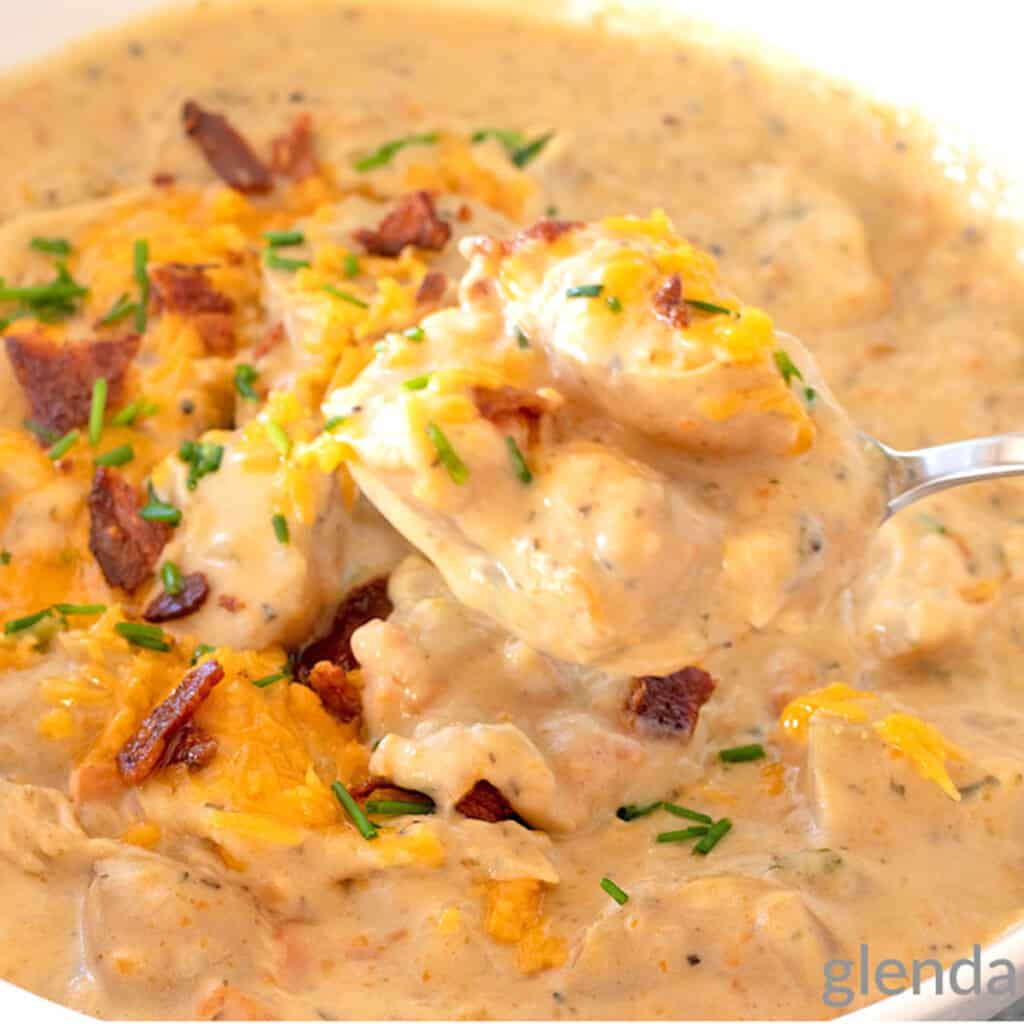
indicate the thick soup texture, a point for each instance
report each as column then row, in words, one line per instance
column 441, row 575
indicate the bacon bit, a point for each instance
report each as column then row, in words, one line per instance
column 146, row 748
column 464, row 214
column 669, row 705
column 432, row 287
column 413, row 222
column 366, row 602
column 546, row 230
column 336, row 693
column 291, row 154
column 230, row 603
column 230, row 156
column 668, row 303
column 163, row 179
column 371, row 787
column 191, row 746
column 125, row 545
column 58, row 379
column 486, row 803
column 512, row 411
column 269, row 341
column 165, row 607
column 217, row 332
column 185, row 288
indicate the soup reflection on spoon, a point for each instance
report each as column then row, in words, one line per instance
column 608, row 453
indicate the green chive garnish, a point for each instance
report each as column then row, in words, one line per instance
column 786, row 366
column 25, row 622
column 43, row 433
column 351, row 264
column 46, row 301
column 143, row 635
column 584, row 291
column 417, row 383
column 280, row 440
column 736, row 755
column 509, row 139
column 276, row 238
column 245, row 377
column 334, row 421
column 172, row 579
column 344, row 296
column 127, row 416
column 276, row 261
column 519, row 466
column 80, row 609
column 201, row 650
column 122, row 308
column 202, row 457
column 617, row 894
column 97, row 410
column 265, row 681
column 681, row 836
column 715, row 834
column 631, row 811
column 280, row 525
column 446, row 453
column 685, row 812
column 52, row 246
column 157, row 511
column 384, row 154
column 416, row 333
column 932, row 523
column 613, row 304
column 140, row 260
column 116, row 456
column 392, row 807
column 367, row 829
column 64, row 445
column 521, row 338
column 5, row 557
column 524, row 154
column 709, row 307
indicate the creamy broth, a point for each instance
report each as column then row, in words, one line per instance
column 886, row 807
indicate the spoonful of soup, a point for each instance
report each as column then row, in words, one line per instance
column 605, row 451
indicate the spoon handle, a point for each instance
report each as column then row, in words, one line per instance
column 915, row 474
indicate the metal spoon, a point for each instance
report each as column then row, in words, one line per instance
column 915, row 474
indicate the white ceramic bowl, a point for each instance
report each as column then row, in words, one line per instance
column 961, row 68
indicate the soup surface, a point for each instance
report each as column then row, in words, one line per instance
column 363, row 655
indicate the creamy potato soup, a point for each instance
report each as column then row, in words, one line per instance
column 441, row 572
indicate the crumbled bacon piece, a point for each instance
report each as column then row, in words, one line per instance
column 413, row 222
column 184, row 289
column 336, row 693
column 58, row 379
column 270, row 340
column 125, row 545
column 366, row 602
column 669, row 705
column 146, row 748
column 513, row 411
column 486, row 803
column 230, row 156
column 668, row 303
column 163, row 179
column 546, row 230
column 291, row 154
column 432, row 287
column 230, row 603
column 389, row 791
column 191, row 746
column 165, row 607
column 217, row 332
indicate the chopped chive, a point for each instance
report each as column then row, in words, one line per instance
column 273, row 259
column 416, row 333
column 509, row 139
column 43, row 433
column 116, row 456
column 245, row 377
column 446, row 453
column 631, row 811
column 277, row 238
column 351, row 264
column 25, row 622
column 5, row 557
column 280, row 525
column 143, row 635
column 737, row 755
column 200, row 651
column 52, row 246
column 417, row 383
column 810, row 395
column 172, row 579
column 524, row 154
column 140, row 260
column 613, row 304
column 279, row 438
column 202, row 458
column 685, row 812
column 932, row 523
column 392, row 807
column 80, row 609
column 584, row 291
column 786, row 366
column 122, row 308
column 127, row 416
column 385, row 153
column 96, row 410
column 367, row 829
column 265, row 681
column 334, row 421
column 157, row 511
column 551, row 211
column 682, row 835
column 709, row 307
column 521, row 338
column 344, row 296
column 617, row 894
column 46, row 301
column 519, row 466
column 715, row 834
column 63, row 446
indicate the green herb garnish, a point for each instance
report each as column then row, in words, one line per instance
column 51, row 246
column 786, row 366
column 416, row 333
column 143, row 635
column 617, row 894
column 157, row 511
column 122, row 308
column 344, row 296
column 273, row 259
column 26, row 622
column 279, row 438
column 5, row 557
column 737, row 755
column 118, row 456
column 334, row 421
column 393, row 807
column 686, row 812
column 710, row 307
column 265, row 681
column 521, row 339
column 519, row 466
column 714, row 835
column 279, row 238
column 520, row 151
column 140, row 263
column 584, row 291
column 613, row 304
column 202, row 458
column 525, row 153
column 97, row 409
column 932, row 523
column 47, row 302
column 350, row 264
column 280, row 525
column 170, row 576
column 245, row 377
column 63, row 446
column 201, row 650
column 80, row 609
column 682, row 835
column 446, row 453
column 385, row 153
column 631, row 811
column 417, row 383
column 367, row 829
